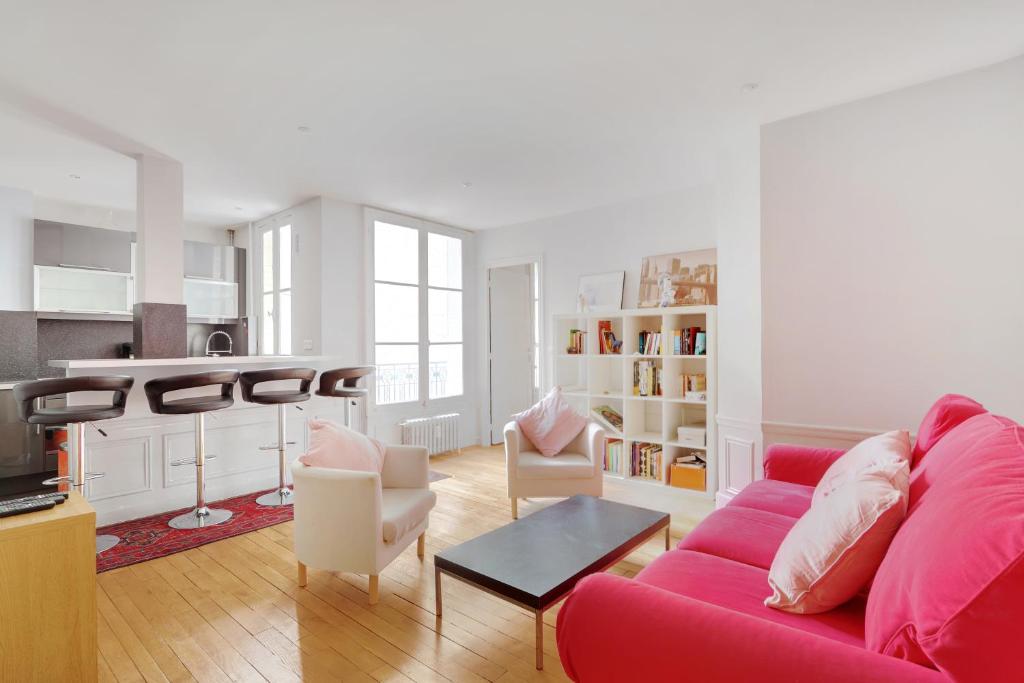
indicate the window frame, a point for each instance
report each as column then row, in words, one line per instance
column 274, row 226
column 423, row 343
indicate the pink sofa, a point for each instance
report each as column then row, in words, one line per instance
column 946, row 604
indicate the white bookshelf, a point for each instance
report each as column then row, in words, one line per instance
column 593, row 379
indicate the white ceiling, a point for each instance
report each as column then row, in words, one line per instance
column 545, row 106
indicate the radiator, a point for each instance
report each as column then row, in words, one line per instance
column 439, row 433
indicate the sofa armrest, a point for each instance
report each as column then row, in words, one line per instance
column 405, row 467
column 512, row 445
column 724, row 645
column 798, row 464
column 337, row 518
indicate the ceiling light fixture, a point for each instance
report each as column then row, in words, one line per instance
column 75, row 176
column 467, row 185
column 304, row 129
column 749, row 87
column 238, row 208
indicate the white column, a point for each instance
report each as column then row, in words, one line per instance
column 16, row 235
column 160, row 251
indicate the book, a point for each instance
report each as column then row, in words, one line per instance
column 575, row 346
column 646, row 461
column 607, row 343
column 613, row 455
column 608, row 416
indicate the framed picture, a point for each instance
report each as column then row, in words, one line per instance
column 601, row 292
column 686, row 278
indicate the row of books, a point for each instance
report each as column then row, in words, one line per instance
column 606, row 340
column 613, row 455
column 691, row 341
column 608, row 417
column 646, row 378
column 576, row 342
column 649, row 343
column 645, row 461
column 695, row 387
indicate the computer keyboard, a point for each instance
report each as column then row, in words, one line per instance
column 43, row 501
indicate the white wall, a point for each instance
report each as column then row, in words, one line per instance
column 893, row 234
column 16, row 234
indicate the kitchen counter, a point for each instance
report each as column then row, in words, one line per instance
column 140, row 447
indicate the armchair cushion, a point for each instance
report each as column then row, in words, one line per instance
column 562, row 466
column 551, row 424
column 403, row 509
column 338, row 447
column 946, row 413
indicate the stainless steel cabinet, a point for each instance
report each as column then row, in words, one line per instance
column 209, row 262
column 77, row 246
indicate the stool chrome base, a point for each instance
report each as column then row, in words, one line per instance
column 106, row 542
column 276, row 498
column 200, row 518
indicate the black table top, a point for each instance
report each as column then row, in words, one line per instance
column 537, row 560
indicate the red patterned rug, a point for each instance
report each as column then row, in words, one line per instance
column 149, row 537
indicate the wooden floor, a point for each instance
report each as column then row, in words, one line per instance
column 231, row 610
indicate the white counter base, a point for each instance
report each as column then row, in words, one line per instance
column 140, row 446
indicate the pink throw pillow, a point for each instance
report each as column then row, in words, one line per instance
column 834, row 550
column 551, row 424
column 946, row 413
column 883, row 453
column 338, row 447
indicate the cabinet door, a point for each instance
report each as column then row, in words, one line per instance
column 209, row 261
column 210, row 298
column 82, row 291
column 83, row 247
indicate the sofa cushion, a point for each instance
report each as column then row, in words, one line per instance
column 945, row 414
column 950, row 591
column 780, row 497
column 740, row 534
column 402, row 510
column 562, row 466
column 551, row 424
column 742, row 587
column 886, row 455
column 836, row 547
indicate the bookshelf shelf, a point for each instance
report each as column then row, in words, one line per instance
column 606, row 380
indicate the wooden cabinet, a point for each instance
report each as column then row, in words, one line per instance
column 48, row 594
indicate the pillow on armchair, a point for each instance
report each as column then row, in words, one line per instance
column 338, row 447
column 551, row 424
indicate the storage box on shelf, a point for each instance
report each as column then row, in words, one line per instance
column 676, row 411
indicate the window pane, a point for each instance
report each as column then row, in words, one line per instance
column 444, row 261
column 398, row 374
column 396, row 313
column 267, row 325
column 285, row 245
column 285, row 322
column 396, row 253
column 268, row 261
column 445, row 372
column 445, row 311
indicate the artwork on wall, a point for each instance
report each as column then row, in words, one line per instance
column 686, row 278
column 600, row 292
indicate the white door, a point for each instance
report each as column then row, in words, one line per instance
column 511, row 353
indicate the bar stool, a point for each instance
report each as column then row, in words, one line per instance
column 349, row 378
column 76, row 417
column 280, row 398
column 156, row 389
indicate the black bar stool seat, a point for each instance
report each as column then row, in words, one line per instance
column 156, row 393
column 26, row 397
column 343, row 383
column 281, row 398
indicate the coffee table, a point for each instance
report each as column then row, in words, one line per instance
column 535, row 561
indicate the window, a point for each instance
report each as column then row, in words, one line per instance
column 417, row 313
column 276, row 305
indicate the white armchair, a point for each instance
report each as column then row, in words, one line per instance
column 576, row 470
column 360, row 521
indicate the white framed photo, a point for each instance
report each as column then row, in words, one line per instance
column 600, row 292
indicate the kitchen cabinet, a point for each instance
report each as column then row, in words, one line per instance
column 209, row 262
column 81, row 290
column 77, row 246
column 210, row 298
